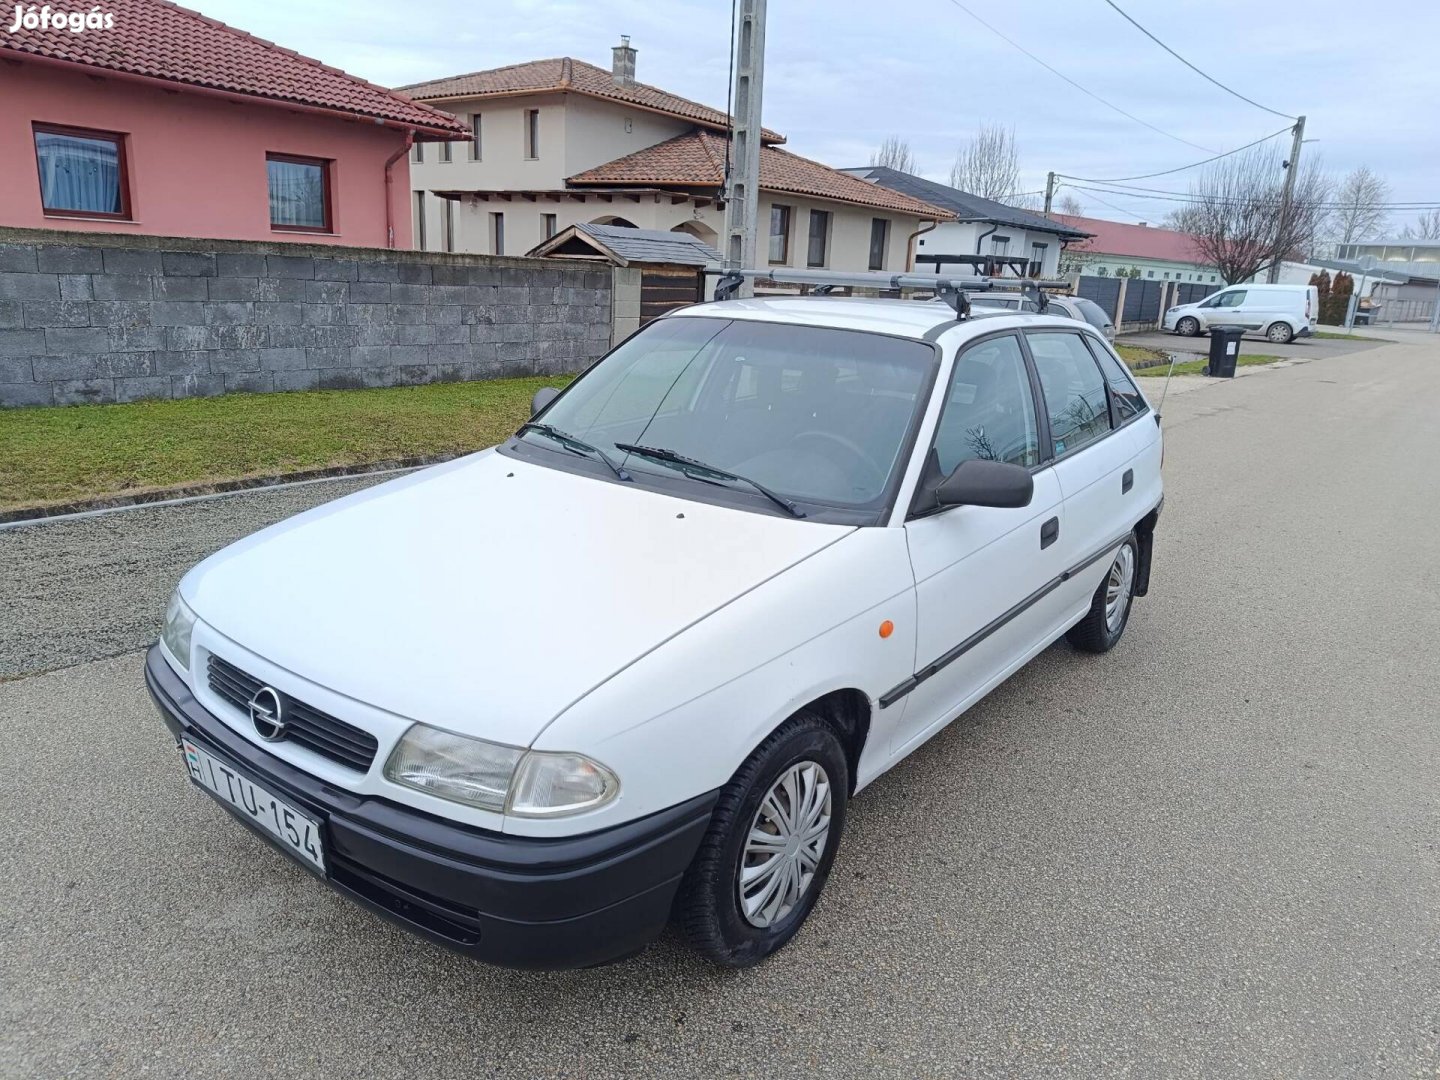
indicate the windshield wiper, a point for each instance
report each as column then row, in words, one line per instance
column 689, row 466
column 574, row 445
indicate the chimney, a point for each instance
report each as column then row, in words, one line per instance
column 622, row 69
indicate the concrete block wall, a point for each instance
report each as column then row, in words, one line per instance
column 101, row 318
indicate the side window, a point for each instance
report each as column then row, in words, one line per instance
column 1074, row 389
column 989, row 411
column 1230, row 299
column 1123, row 392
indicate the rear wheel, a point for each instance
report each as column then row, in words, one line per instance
column 1280, row 333
column 1109, row 610
column 770, row 845
column 1187, row 327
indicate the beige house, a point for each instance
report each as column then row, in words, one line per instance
column 562, row 142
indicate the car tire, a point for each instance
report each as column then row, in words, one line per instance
column 1280, row 333
column 1187, row 327
column 1109, row 611
column 709, row 906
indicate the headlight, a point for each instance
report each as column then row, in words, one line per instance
column 497, row 777
column 179, row 622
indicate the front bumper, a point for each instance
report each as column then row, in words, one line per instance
column 517, row 901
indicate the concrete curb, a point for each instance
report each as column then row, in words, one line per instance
column 25, row 515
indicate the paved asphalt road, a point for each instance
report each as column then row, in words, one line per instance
column 1211, row 853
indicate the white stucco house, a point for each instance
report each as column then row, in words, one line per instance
column 561, row 142
column 990, row 237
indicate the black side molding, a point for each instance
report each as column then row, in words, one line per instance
column 896, row 693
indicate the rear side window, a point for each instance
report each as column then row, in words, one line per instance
column 1123, row 392
column 1075, row 397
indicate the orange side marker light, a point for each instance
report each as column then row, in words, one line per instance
column 887, row 628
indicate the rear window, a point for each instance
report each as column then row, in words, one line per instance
column 1092, row 312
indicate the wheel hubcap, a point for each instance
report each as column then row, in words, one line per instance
column 785, row 844
column 1118, row 586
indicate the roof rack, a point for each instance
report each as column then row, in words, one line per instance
column 952, row 288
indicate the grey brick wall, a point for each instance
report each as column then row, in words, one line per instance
column 101, row 318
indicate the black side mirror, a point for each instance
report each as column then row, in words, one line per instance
column 977, row 482
column 543, row 397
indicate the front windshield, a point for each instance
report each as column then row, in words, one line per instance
column 818, row 415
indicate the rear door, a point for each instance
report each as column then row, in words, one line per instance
column 981, row 573
column 1095, row 454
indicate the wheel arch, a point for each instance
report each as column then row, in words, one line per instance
column 849, row 712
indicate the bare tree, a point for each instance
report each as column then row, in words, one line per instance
column 894, row 153
column 1070, row 206
column 1236, row 215
column 1359, row 211
column 988, row 165
column 1426, row 227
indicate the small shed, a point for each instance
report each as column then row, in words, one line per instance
column 670, row 263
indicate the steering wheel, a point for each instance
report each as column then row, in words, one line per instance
column 852, row 448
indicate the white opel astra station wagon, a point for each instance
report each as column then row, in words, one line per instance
column 632, row 665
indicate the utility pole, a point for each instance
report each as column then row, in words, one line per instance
column 742, row 197
column 1049, row 191
column 1287, row 194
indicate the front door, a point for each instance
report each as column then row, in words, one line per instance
column 981, row 573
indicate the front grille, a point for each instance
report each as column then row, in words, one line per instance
column 311, row 728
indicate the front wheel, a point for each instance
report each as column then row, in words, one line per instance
column 1187, row 327
column 770, row 845
column 1109, row 611
column 1280, row 333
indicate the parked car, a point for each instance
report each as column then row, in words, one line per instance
column 634, row 663
column 1069, row 307
column 1281, row 312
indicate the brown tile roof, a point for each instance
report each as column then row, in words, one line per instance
column 160, row 40
column 577, row 77
column 697, row 159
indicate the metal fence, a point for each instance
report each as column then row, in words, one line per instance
column 1138, row 301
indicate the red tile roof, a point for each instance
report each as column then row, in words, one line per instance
column 564, row 74
column 697, row 159
column 159, row 40
column 1133, row 241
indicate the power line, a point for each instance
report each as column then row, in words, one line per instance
column 1192, row 67
column 1162, row 195
column 1102, row 202
column 1089, row 93
column 1182, row 168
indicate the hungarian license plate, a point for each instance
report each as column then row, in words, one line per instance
column 297, row 833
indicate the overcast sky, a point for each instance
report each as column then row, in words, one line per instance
column 842, row 74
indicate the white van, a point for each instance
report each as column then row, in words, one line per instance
column 1281, row 312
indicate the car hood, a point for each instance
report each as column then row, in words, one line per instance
column 487, row 595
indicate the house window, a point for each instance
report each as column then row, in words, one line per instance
column 299, row 193
column 779, row 234
column 817, row 251
column 497, row 233
column 419, row 221
column 447, row 223
column 879, row 240
column 549, row 220
column 82, row 173
column 475, row 154
column 532, row 133
column 1037, row 259
column 1151, row 273
column 417, row 152
column 999, row 245
column 445, row 151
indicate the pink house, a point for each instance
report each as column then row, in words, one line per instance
column 160, row 120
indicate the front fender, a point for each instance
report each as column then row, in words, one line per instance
column 683, row 718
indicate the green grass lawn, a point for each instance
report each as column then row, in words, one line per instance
column 1138, row 354
column 1195, row 367
column 54, row 455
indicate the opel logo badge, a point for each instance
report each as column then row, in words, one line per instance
column 267, row 714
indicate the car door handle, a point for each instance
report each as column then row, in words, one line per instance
column 1049, row 533
column 1127, row 481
